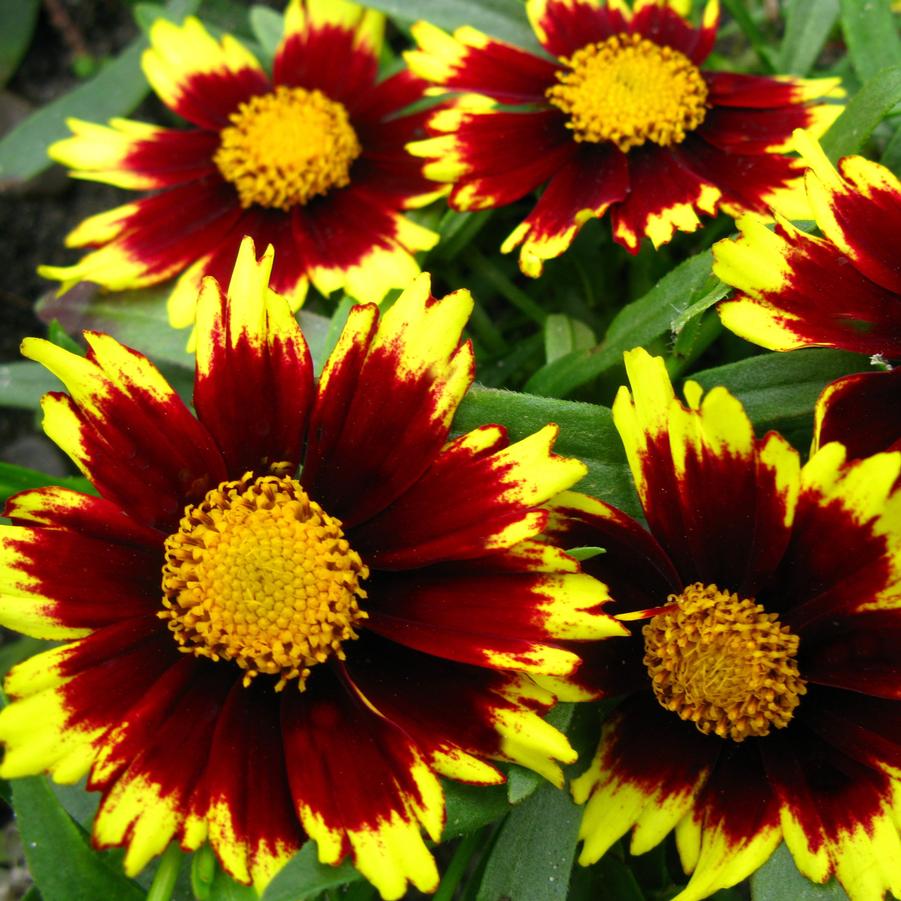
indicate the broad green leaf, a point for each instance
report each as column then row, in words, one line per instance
column 116, row 90
column 23, row 384
column 304, row 876
column 534, row 852
column 807, row 25
column 586, row 432
column 610, row 877
column 871, row 35
column 19, row 478
column 779, row 879
column 13, row 652
column 779, row 390
column 563, row 335
column 17, row 21
column 638, row 323
column 504, row 19
column 867, row 109
column 267, row 26
column 59, row 855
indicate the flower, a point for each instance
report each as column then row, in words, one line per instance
column 254, row 654
column 622, row 118
column 862, row 411
column 840, row 290
column 760, row 697
column 312, row 162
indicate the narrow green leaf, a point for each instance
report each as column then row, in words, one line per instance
column 58, row 852
column 267, row 26
column 871, row 35
column 779, row 390
column 867, row 109
column 755, row 37
column 20, row 649
column 586, row 553
column 779, row 879
column 533, row 855
column 15, row 478
column 638, row 323
column 563, row 335
column 57, row 335
column 116, row 90
column 504, row 19
column 17, row 21
column 891, row 158
column 807, row 25
column 23, row 384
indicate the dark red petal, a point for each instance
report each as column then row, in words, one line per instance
column 330, row 59
column 863, row 412
column 385, row 99
column 255, row 390
column 661, row 24
column 565, row 26
column 732, row 89
column 207, row 99
column 174, row 157
column 752, row 131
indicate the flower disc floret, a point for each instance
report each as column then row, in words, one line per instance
column 286, row 147
column 629, row 90
column 723, row 663
column 259, row 574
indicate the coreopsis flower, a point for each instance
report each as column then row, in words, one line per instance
column 287, row 616
column 311, row 161
column 760, row 687
column 621, row 117
column 839, row 290
column 862, row 411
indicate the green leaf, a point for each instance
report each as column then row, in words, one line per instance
column 586, row 552
column 17, row 21
column 779, row 390
column 267, row 26
column 779, row 879
column 15, row 478
column 586, row 432
column 522, row 782
column 20, row 649
column 871, row 35
column 116, row 90
column 755, row 37
column 807, row 25
column 58, row 852
column 563, row 335
column 638, row 323
column 303, row 875
column 534, row 852
column 57, row 335
column 23, row 384
column 867, row 109
column 610, row 877
column 504, row 19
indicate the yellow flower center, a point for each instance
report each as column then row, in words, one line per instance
column 286, row 147
column 629, row 90
column 723, row 663
column 258, row 574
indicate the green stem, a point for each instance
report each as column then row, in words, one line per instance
column 522, row 301
column 166, row 874
column 457, row 867
column 752, row 33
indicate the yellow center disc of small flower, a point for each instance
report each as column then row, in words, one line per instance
column 258, row 574
column 286, row 147
column 629, row 90
column 723, row 663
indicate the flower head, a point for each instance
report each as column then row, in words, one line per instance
column 621, row 119
column 287, row 616
column 311, row 161
column 839, row 290
column 760, row 689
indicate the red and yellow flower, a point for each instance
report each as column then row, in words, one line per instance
column 287, row 616
column 760, row 688
column 621, row 117
column 839, row 290
column 311, row 161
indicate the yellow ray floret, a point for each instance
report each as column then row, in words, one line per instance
column 367, row 24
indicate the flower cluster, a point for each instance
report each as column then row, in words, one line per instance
column 302, row 603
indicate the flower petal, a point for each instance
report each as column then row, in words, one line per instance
column 862, row 411
column 663, row 23
column 127, row 430
column 478, row 496
column 385, row 401
column 595, row 178
column 253, row 369
column 135, row 155
column 470, row 61
column 795, row 290
column 198, row 77
column 631, row 785
column 361, row 785
column 565, row 26
column 332, row 46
